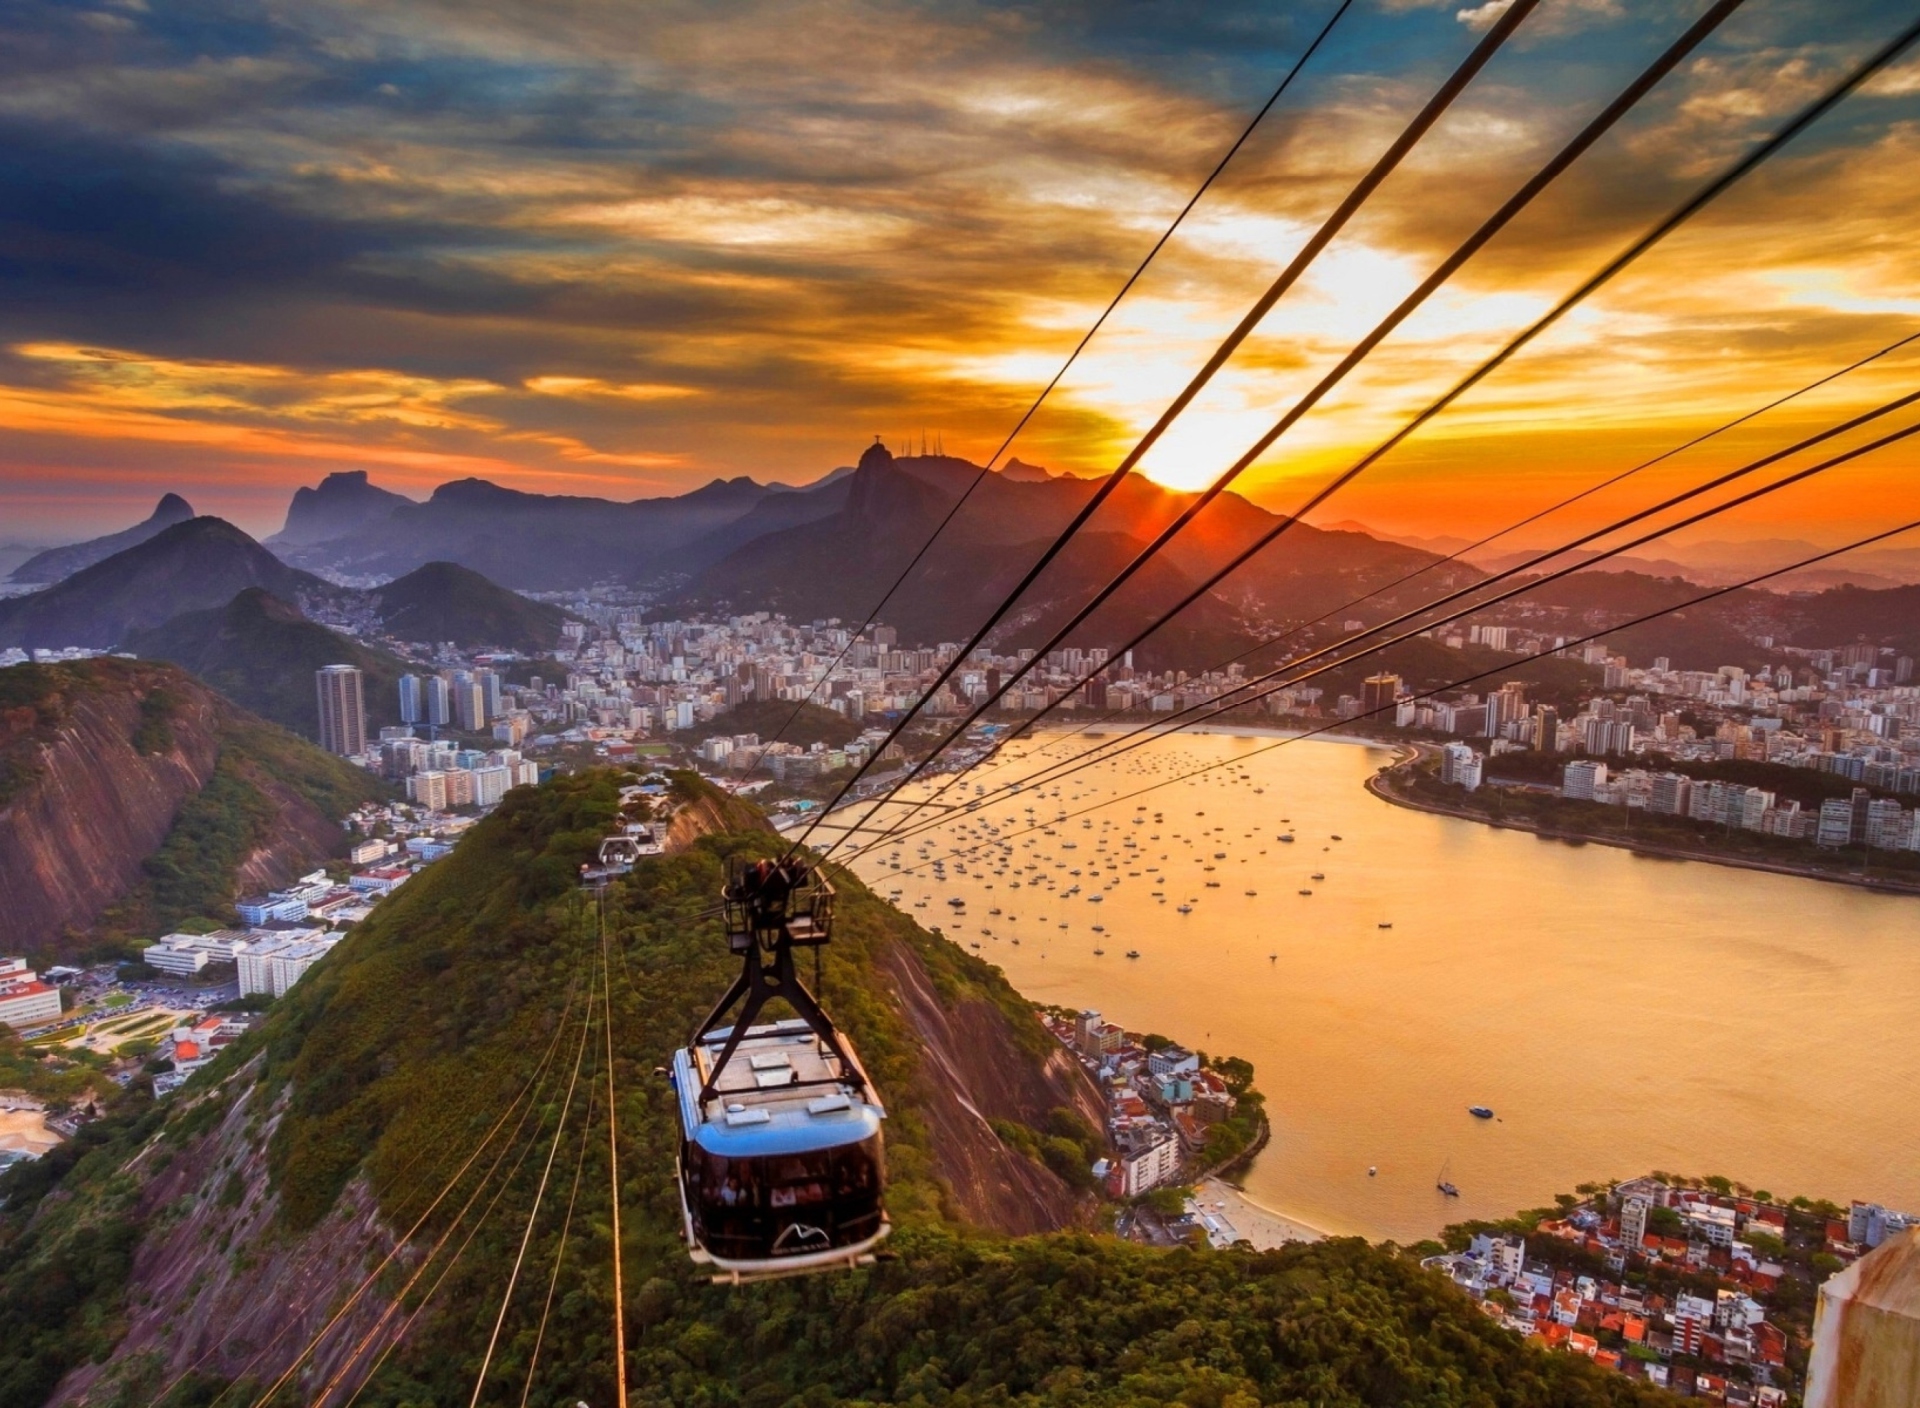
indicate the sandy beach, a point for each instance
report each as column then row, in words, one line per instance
column 1231, row 1216
column 26, row 1131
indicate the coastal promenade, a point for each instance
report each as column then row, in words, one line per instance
column 1384, row 785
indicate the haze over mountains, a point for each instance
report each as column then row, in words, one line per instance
column 57, row 563
column 200, row 592
column 535, row 542
column 1710, row 562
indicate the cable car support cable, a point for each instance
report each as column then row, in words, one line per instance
column 1109, row 749
column 1072, row 358
column 1456, row 83
column 1805, row 118
column 1461, row 683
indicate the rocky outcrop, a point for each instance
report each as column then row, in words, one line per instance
column 89, row 804
column 301, row 837
column 213, row 1291
column 97, row 760
column 974, row 1069
column 709, row 812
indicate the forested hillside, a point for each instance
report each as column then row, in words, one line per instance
column 132, row 797
column 468, row 1005
column 262, row 652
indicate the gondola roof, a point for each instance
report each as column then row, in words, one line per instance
column 754, row 1112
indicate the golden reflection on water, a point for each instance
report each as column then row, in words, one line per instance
column 1619, row 1014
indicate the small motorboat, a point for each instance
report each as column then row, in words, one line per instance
column 1099, row 952
column 1184, row 908
column 1133, row 953
column 1306, row 892
column 1480, row 1112
column 1386, row 924
column 1315, row 876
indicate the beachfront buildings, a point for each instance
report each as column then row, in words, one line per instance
column 25, row 1001
column 1694, row 1289
column 1161, row 1104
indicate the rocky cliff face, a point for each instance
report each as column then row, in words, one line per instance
column 197, row 1307
column 99, row 758
column 90, row 802
column 973, row 1071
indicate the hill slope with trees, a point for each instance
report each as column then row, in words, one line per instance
column 343, row 1119
column 133, row 797
column 262, row 652
column 444, row 601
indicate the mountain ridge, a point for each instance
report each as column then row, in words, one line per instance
column 194, row 565
column 393, row 1057
column 56, row 564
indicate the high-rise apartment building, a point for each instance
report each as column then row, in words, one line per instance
column 1580, row 778
column 1671, row 795
column 439, row 702
column 469, row 704
column 1546, row 729
column 412, row 701
column 1633, row 1221
column 343, row 710
column 1377, row 693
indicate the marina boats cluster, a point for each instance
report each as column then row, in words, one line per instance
column 1034, row 840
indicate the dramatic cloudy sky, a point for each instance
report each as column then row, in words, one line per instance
column 619, row 247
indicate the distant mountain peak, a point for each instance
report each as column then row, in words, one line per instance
column 57, row 564
column 192, row 565
column 344, row 503
column 472, row 489
column 876, row 456
column 1020, row 471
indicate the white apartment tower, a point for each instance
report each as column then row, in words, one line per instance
column 343, row 710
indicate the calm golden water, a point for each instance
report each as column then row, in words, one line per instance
column 1619, row 1014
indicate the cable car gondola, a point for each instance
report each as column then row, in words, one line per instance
column 782, row 1169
